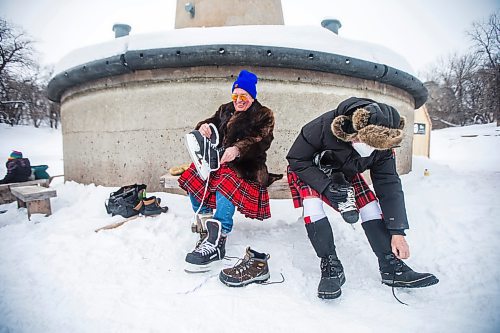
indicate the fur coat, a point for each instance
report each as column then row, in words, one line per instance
column 251, row 131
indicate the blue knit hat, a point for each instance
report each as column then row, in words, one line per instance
column 246, row 81
column 15, row 154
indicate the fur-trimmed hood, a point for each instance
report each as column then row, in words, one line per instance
column 376, row 124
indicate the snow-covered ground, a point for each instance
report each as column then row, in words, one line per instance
column 58, row 275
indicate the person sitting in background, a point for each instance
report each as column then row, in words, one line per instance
column 18, row 169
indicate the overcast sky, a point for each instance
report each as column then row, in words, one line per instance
column 420, row 30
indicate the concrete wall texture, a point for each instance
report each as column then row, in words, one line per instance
column 130, row 128
column 219, row 13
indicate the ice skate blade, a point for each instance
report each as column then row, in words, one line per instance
column 193, row 146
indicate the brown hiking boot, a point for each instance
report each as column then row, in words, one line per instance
column 252, row 268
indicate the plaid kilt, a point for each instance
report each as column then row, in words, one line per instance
column 251, row 199
column 300, row 190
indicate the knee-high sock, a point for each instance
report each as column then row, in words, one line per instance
column 313, row 210
column 370, row 211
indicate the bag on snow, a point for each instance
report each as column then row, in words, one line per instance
column 123, row 201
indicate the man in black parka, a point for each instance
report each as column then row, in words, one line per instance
column 359, row 135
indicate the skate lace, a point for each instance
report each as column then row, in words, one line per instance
column 211, row 147
column 206, row 248
column 350, row 202
column 398, row 267
column 216, row 132
column 242, row 265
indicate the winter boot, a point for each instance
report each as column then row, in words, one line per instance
column 332, row 273
column 204, row 152
column 151, row 207
column 211, row 249
column 347, row 208
column 252, row 268
column 397, row 274
column 394, row 271
column 199, row 226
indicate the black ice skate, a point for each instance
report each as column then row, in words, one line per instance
column 211, row 249
column 327, row 162
column 252, row 268
column 204, row 152
column 346, row 208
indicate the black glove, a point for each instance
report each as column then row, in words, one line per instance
column 336, row 193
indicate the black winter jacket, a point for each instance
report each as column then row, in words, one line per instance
column 18, row 170
column 317, row 136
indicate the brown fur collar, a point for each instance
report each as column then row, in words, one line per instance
column 358, row 127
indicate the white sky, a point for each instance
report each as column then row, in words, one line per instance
column 420, row 30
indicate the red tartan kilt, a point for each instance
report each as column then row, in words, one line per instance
column 251, row 199
column 301, row 190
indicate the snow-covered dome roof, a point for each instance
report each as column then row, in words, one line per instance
column 301, row 47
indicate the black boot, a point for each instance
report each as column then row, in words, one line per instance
column 394, row 271
column 332, row 273
column 151, row 206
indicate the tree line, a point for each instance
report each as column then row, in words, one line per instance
column 463, row 89
column 23, row 83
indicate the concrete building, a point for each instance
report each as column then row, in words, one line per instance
column 126, row 104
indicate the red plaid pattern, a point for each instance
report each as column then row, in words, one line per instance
column 251, row 199
column 300, row 190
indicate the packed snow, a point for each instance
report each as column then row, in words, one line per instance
column 313, row 38
column 58, row 275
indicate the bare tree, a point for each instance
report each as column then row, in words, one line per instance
column 465, row 89
column 23, row 83
column 486, row 39
column 16, row 49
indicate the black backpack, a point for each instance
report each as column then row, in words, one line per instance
column 123, row 201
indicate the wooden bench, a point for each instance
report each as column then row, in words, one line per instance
column 35, row 198
column 278, row 190
column 7, row 197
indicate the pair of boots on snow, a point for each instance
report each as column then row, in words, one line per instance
column 149, row 206
column 393, row 271
column 211, row 247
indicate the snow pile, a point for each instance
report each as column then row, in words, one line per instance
column 58, row 275
column 311, row 38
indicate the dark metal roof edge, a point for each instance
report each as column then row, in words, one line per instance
column 236, row 55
